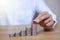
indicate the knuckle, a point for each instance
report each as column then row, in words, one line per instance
column 49, row 24
column 45, row 21
column 49, row 18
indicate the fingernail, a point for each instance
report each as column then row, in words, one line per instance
column 36, row 20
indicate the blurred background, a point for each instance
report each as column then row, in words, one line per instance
column 55, row 7
column 53, row 4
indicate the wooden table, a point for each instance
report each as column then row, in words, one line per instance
column 53, row 35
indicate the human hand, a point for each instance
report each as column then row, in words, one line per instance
column 45, row 20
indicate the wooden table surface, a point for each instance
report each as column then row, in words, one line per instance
column 53, row 35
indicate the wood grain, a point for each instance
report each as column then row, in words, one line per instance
column 53, row 35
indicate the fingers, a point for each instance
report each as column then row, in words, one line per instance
column 37, row 18
column 43, row 13
column 50, row 23
column 48, row 20
column 42, row 17
column 45, row 20
column 49, row 26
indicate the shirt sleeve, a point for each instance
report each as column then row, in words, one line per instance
column 41, row 7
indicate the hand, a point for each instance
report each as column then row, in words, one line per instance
column 45, row 20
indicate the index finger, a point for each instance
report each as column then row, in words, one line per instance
column 44, row 17
column 41, row 14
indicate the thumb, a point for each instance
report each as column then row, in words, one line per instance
column 36, row 21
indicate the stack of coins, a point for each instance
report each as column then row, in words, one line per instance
column 34, row 29
column 16, row 35
column 23, row 31
column 28, row 29
column 11, row 35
